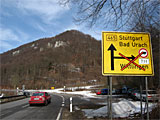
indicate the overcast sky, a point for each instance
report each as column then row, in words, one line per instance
column 24, row 21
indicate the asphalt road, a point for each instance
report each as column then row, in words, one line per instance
column 58, row 109
column 20, row 110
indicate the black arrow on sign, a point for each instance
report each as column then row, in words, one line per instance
column 112, row 48
column 132, row 57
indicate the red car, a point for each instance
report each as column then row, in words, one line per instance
column 98, row 93
column 103, row 92
column 40, row 98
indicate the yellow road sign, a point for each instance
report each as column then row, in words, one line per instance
column 126, row 53
column 52, row 88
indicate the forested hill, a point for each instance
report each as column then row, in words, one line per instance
column 69, row 58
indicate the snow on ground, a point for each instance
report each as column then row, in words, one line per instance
column 91, row 113
column 86, row 92
column 121, row 109
column 126, row 108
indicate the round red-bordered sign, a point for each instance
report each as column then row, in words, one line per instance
column 145, row 52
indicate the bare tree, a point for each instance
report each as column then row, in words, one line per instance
column 116, row 13
column 132, row 15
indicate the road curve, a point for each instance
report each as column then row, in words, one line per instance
column 20, row 110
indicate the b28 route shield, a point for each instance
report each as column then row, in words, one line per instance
column 126, row 54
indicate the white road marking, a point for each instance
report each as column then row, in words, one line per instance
column 1, row 115
column 60, row 112
column 25, row 106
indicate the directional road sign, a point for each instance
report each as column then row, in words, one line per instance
column 126, row 53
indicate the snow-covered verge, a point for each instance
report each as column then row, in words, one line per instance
column 86, row 91
column 121, row 109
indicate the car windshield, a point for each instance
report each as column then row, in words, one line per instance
column 150, row 92
column 38, row 94
column 104, row 90
column 136, row 91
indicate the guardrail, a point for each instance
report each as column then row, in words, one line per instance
column 5, row 99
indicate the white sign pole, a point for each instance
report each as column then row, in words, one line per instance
column 70, row 104
column 64, row 89
column 23, row 89
column 17, row 90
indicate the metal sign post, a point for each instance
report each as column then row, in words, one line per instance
column 110, row 98
column 141, row 101
column 146, row 80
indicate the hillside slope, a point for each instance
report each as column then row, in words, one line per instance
column 68, row 58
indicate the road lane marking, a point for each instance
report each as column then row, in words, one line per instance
column 25, row 106
column 60, row 112
column 1, row 115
